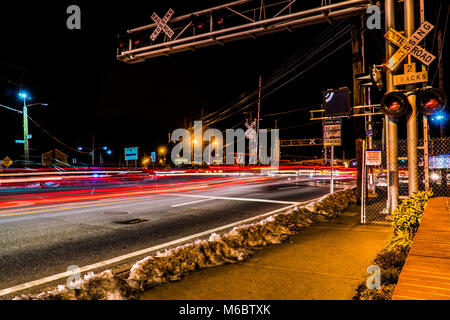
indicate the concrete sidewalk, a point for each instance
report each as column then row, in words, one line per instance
column 327, row 260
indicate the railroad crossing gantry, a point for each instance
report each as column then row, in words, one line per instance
column 228, row 22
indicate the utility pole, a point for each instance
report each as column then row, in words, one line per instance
column 257, row 122
column 357, row 101
column 425, row 117
column 411, row 123
column 25, row 132
column 391, row 124
column 441, row 75
column 93, row 151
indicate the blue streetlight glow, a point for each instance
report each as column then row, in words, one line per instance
column 105, row 148
column 23, row 94
column 439, row 118
column 80, row 148
column 109, row 152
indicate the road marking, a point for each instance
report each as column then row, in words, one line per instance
column 78, row 203
column 70, row 207
column 284, row 188
column 234, row 199
column 105, row 263
column 188, row 203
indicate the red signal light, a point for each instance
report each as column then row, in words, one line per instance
column 431, row 100
column 394, row 106
column 432, row 103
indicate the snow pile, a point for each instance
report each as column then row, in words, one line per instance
column 232, row 247
column 101, row 286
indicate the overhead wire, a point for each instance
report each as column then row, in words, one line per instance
column 307, row 55
column 56, row 139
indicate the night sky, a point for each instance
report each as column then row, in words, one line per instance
column 90, row 92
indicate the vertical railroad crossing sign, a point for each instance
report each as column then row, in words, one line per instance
column 409, row 46
column 332, row 132
column 250, row 133
column 161, row 24
column 7, row 161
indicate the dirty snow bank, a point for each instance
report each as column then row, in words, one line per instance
column 170, row 265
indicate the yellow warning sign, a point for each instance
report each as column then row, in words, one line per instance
column 7, row 161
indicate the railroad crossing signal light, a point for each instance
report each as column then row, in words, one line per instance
column 431, row 101
column 395, row 104
column 373, row 78
column 218, row 19
column 198, row 21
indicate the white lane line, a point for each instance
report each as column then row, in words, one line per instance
column 90, row 267
column 188, row 203
column 284, row 188
column 235, row 199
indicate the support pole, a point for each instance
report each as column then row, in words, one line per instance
column 392, row 133
column 426, row 169
column 93, row 150
column 332, row 176
column 359, row 133
column 411, row 124
column 441, row 76
column 26, row 154
column 257, row 122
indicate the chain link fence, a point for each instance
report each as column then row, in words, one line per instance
column 375, row 189
column 375, row 183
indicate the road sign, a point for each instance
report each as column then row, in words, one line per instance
column 418, row 52
column 250, row 133
column 410, row 75
column 408, row 46
column 153, row 156
column 161, row 24
column 20, row 141
column 332, row 132
column 131, row 153
column 373, row 157
column 7, row 161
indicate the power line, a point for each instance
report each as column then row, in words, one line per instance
column 287, row 112
column 307, row 55
column 56, row 139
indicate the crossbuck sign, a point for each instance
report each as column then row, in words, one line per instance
column 161, row 24
column 409, row 46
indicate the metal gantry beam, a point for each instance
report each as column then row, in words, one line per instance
column 229, row 22
column 309, row 142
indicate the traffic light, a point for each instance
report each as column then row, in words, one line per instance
column 431, row 100
column 395, row 104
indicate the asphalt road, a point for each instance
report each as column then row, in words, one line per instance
column 38, row 240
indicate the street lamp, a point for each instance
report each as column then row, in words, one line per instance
column 24, row 96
